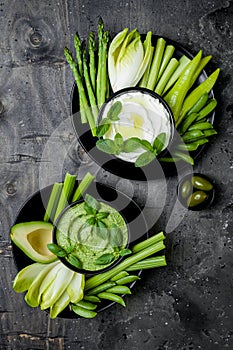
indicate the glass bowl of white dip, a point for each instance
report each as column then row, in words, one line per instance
column 141, row 114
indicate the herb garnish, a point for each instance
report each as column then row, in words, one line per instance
column 118, row 145
column 112, row 116
column 67, row 254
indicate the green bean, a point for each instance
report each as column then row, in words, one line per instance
column 102, row 287
column 187, row 122
column 201, row 102
column 112, row 297
column 201, row 126
column 184, row 156
column 81, row 311
column 207, row 109
column 209, row 132
column 200, row 67
column 127, row 279
column 86, row 305
column 192, row 135
column 177, row 94
column 193, row 146
column 119, row 275
column 119, row 290
column 92, row 298
column 193, row 97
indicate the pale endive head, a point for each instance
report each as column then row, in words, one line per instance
column 128, row 58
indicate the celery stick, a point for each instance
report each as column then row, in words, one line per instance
column 84, row 184
column 66, row 193
column 53, row 201
column 183, row 62
column 156, row 63
column 144, row 80
column 147, row 242
column 171, row 67
column 166, row 59
column 95, row 281
column 149, row 263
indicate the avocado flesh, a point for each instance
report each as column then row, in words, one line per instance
column 32, row 238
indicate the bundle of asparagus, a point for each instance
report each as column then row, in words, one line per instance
column 90, row 73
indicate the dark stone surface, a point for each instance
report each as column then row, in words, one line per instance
column 185, row 306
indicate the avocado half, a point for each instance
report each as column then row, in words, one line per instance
column 32, row 238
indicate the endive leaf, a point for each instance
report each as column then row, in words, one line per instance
column 59, row 305
column 75, row 288
column 32, row 295
column 56, row 289
column 48, row 280
column 26, row 276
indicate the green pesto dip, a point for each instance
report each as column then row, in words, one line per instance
column 87, row 244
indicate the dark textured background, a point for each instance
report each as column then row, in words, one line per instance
column 185, row 306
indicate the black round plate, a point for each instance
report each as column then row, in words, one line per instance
column 34, row 209
column 115, row 165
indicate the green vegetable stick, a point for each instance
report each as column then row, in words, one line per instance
column 81, row 90
column 176, row 95
column 103, row 72
column 156, row 63
column 183, row 62
column 92, row 66
column 66, row 193
column 90, row 92
column 171, row 67
column 169, row 50
column 78, row 50
column 100, row 48
column 82, row 187
column 148, row 263
column 95, row 281
column 145, row 77
column 193, row 97
column 199, row 69
column 147, row 242
column 53, row 201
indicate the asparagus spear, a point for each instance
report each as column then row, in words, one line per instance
column 103, row 72
column 78, row 49
column 90, row 92
column 100, row 48
column 92, row 67
column 81, row 90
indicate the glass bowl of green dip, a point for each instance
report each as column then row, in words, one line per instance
column 94, row 235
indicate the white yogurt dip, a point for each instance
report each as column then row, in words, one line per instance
column 142, row 116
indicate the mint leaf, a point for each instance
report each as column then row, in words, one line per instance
column 106, row 146
column 159, row 142
column 102, row 129
column 114, row 111
column 146, row 145
column 105, row 259
column 118, row 140
column 131, row 144
column 92, row 202
column 144, row 159
column 57, row 250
